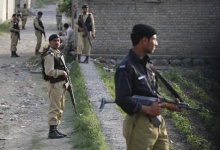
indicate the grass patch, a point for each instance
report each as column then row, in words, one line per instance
column 87, row 134
column 4, row 28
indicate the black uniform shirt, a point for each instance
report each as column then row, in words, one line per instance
column 134, row 77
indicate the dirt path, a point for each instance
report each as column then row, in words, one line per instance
column 23, row 95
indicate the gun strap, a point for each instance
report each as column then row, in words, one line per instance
column 168, row 86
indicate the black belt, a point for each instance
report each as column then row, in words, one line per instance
column 58, row 16
column 56, row 80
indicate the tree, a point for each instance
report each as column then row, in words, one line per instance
column 65, row 7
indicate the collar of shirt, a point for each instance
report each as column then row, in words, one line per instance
column 55, row 51
column 137, row 59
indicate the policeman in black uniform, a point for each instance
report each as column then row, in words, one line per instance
column 134, row 76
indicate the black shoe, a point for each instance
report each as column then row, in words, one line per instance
column 53, row 134
column 86, row 60
column 64, row 135
column 79, row 58
column 14, row 54
column 37, row 52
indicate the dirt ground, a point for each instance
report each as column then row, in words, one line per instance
column 23, row 95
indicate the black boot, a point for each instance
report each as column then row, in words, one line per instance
column 53, row 134
column 64, row 135
column 37, row 52
column 86, row 60
column 14, row 54
column 79, row 58
column 23, row 27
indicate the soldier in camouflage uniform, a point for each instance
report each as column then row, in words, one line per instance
column 59, row 18
column 39, row 30
column 24, row 12
column 15, row 35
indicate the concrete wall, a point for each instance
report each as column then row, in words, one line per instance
column 185, row 27
column 3, row 11
column 7, row 8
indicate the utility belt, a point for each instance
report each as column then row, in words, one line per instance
column 13, row 31
column 38, row 29
column 58, row 79
column 58, row 16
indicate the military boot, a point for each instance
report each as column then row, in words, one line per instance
column 37, row 52
column 14, row 54
column 60, row 132
column 53, row 134
column 86, row 60
column 79, row 58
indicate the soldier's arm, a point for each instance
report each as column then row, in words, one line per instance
column 36, row 23
column 11, row 27
column 93, row 24
column 49, row 67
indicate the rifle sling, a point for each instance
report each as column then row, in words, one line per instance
column 168, row 86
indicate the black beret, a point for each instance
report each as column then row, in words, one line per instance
column 40, row 13
column 85, row 6
column 142, row 30
column 53, row 36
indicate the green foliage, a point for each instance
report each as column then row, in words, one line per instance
column 88, row 135
column 65, row 7
column 189, row 91
column 40, row 3
column 4, row 28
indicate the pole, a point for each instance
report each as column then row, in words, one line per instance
column 74, row 6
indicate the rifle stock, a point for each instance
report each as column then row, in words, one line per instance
column 70, row 90
column 44, row 35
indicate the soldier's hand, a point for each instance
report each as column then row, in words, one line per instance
column 172, row 107
column 153, row 110
column 80, row 29
column 65, row 74
column 93, row 35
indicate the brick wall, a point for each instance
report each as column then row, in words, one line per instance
column 185, row 27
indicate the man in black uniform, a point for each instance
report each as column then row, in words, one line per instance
column 134, row 76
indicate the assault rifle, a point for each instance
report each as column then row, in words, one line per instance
column 68, row 86
column 44, row 35
column 144, row 100
column 18, row 34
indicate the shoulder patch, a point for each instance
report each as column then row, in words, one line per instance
column 52, row 54
column 122, row 66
